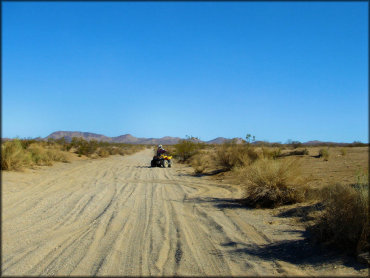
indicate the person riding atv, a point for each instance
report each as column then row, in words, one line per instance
column 161, row 159
column 160, row 150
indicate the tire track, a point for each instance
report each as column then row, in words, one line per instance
column 118, row 217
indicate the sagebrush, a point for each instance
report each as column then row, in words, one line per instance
column 345, row 220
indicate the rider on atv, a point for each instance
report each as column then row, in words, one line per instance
column 160, row 150
column 161, row 159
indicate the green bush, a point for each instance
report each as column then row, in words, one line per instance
column 186, row 148
column 84, row 147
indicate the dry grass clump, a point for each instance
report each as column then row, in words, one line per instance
column 297, row 152
column 271, row 153
column 324, row 153
column 102, row 152
column 200, row 162
column 343, row 151
column 84, row 147
column 270, row 183
column 18, row 154
column 345, row 220
column 230, row 155
column 23, row 153
column 93, row 148
column 46, row 156
column 13, row 156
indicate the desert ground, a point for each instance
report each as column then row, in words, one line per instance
column 117, row 216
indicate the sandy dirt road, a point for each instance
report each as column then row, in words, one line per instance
column 117, row 216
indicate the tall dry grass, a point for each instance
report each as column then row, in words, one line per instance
column 46, row 156
column 201, row 161
column 271, row 183
column 230, row 155
column 343, row 151
column 324, row 153
column 271, row 153
column 95, row 149
column 14, row 156
column 344, row 222
column 18, row 154
column 25, row 153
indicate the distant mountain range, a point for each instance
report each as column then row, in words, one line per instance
column 128, row 138
column 167, row 140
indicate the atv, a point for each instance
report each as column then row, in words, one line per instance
column 161, row 161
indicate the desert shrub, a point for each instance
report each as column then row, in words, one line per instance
column 270, row 183
column 271, row 153
column 296, row 152
column 343, row 151
column 103, row 152
column 84, row 147
column 57, row 155
column 295, row 144
column 275, row 153
column 14, row 156
column 45, row 156
column 64, row 145
column 300, row 152
column 113, row 150
column 345, row 220
column 277, row 145
column 27, row 142
column 186, row 148
column 230, row 155
column 358, row 144
column 39, row 155
column 324, row 153
column 17, row 153
column 199, row 162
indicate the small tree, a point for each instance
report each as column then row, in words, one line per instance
column 249, row 138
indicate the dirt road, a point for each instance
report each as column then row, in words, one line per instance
column 117, row 216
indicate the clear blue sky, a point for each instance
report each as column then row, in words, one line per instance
column 277, row 70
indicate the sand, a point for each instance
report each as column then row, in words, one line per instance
column 117, row 216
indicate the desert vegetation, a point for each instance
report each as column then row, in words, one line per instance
column 344, row 223
column 324, row 153
column 271, row 183
column 94, row 149
column 17, row 154
column 267, row 176
column 282, row 174
column 186, row 148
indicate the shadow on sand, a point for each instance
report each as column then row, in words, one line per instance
column 302, row 212
column 302, row 251
column 220, row 203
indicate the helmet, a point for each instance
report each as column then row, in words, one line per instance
column 160, row 146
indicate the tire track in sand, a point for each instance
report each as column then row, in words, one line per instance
column 117, row 216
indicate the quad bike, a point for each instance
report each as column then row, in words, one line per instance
column 161, row 161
